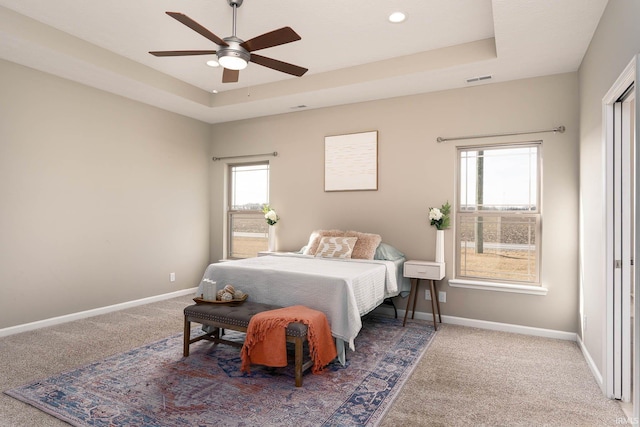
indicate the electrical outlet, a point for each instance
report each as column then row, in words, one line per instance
column 442, row 296
column 172, row 277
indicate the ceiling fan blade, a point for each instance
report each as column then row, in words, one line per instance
column 197, row 27
column 270, row 39
column 182, row 52
column 230, row 76
column 278, row 65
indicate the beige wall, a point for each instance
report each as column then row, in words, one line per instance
column 614, row 44
column 415, row 173
column 102, row 198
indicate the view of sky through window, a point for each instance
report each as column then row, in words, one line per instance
column 250, row 186
column 492, row 166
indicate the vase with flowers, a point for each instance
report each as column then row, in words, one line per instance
column 272, row 219
column 440, row 219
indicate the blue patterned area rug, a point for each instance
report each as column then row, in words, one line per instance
column 155, row 386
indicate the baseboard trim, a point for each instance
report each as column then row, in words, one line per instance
column 473, row 323
column 594, row 369
column 494, row 326
column 93, row 312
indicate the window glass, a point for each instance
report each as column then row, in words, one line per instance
column 498, row 214
column 499, row 179
column 248, row 192
column 249, row 186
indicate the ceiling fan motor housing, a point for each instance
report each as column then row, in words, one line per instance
column 234, row 49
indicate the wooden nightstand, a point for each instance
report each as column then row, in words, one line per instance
column 426, row 270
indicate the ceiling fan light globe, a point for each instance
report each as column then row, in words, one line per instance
column 232, row 62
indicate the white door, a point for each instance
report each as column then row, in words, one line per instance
column 623, row 320
column 623, row 242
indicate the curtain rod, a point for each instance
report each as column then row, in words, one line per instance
column 274, row 154
column 560, row 129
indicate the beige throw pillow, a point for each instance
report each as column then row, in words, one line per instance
column 316, row 236
column 366, row 245
column 336, row 247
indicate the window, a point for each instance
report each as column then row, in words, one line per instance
column 498, row 214
column 248, row 192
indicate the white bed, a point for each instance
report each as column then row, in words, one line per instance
column 343, row 289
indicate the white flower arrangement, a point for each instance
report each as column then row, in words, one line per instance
column 270, row 215
column 439, row 217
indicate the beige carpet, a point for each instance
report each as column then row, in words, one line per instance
column 467, row 377
column 475, row 377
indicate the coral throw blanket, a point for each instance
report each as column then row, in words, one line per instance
column 266, row 341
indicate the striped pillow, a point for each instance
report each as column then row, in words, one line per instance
column 336, row 247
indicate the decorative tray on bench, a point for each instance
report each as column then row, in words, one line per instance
column 200, row 300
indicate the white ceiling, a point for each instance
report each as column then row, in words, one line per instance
column 352, row 52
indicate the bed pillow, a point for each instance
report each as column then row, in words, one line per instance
column 365, row 246
column 336, row 247
column 314, row 239
column 387, row 252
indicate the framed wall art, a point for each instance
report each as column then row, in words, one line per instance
column 351, row 162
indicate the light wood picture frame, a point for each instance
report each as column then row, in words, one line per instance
column 351, row 162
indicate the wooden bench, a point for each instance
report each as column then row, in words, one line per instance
column 236, row 317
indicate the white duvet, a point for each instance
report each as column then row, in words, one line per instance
column 343, row 289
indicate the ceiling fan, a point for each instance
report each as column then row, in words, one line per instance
column 234, row 54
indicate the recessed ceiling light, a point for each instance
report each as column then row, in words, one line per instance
column 214, row 91
column 397, row 17
column 213, row 63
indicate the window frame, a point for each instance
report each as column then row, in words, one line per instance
column 499, row 284
column 232, row 212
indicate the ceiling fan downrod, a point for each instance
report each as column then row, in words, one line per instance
column 235, row 4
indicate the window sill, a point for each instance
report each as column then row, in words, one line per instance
column 498, row 287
